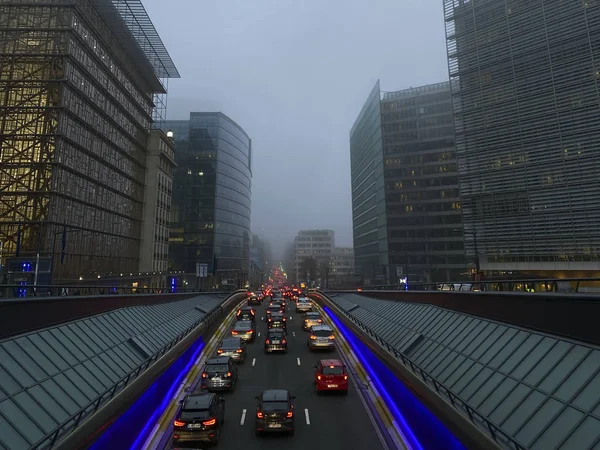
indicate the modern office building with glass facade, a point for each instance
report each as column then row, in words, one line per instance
column 527, row 114
column 211, row 196
column 406, row 205
column 423, row 205
column 78, row 82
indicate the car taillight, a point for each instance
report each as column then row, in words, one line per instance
column 267, row 341
column 319, row 377
column 239, row 350
column 306, row 320
column 228, row 374
column 313, row 337
column 234, row 332
column 252, row 312
column 284, row 319
column 331, row 337
column 259, row 414
column 249, row 332
column 178, row 423
column 204, row 375
column 290, row 414
column 345, row 377
column 209, row 422
column 320, row 321
column 284, row 342
column 219, row 351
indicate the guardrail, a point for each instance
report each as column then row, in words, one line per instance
column 76, row 431
column 529, row 285
column 470, row 430
column 574, row 316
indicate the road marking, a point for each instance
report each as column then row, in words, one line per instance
column 262, row 318
column 259, row 334
column 306, row 415
column 294, row 333
column 291, row 317
column 243, row 419
column 298, row 359
column 253, row 362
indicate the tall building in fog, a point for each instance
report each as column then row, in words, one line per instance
column 312, row 244
column 527, row 112
column 405, row 198
column 210, row 220
column 78, row 89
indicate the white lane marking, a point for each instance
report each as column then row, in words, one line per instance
column 259, row 334
column 243, row 419
column 253, row 362
column 262, row 318
column 291, row 317
column 298, row 359
column 294, row 333
column 307, row 416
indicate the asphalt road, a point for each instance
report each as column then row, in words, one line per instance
column 336, row 421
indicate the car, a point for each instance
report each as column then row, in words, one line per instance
column 303, row 305
column 244, row 329
column 331, row 375
column 199, row 419
column 311, row 319
column 275, row 412
column 246, row 313
column 253, row 300
column 234, row 347
column 321, row 338
column 276, row 340
column 277, row 320
column 276, row 308
column 219, row 374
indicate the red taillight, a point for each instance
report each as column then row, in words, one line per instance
column 331, row 337
column 345, row 377
column 249, row 332
column 228, row 374
column 320, row 321
column 177, row 423
column 209, row 422
column 284, row 319
column 318, row 377
column 284, row 342
column 204, row 375
column 267, row 342
column 219, row 351
column 239, row 350
column 259, row 414
column 234, row 332
column 313, row 337
column 290, row 414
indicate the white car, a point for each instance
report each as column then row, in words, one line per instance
column 303, row 305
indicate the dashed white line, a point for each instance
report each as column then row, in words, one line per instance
column 291, row 317
column 305, row 415
column 243, row 419
column 262, row 318
column 294, row 333
column 253, row 362
column 298, row 359
column 259, row 334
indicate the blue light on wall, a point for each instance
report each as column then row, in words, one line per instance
column 173, row 284
column 421, row 428
column 130, row 431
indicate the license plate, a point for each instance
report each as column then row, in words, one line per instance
column 195, row 425
column 276, row 342
column 332, row 385
column 274, row 425
column 215, row 379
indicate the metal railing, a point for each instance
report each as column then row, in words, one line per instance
column 530, row 285
column 73, row 421
column 497, row 434
column 16, row 291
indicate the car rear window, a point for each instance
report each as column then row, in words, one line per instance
column 243, row 326
column 274, row 406
column 333, row 370
column 276, row 335
column 219, row 368
column 322, row 333
column 191, row 414
column 313, row 316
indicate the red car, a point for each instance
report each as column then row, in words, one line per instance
column 331, row 375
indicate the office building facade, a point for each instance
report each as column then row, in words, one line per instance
column 212, row 189
column 154, row 248
column 312, row 244
column 527, row 115
column 342, row 262
column 76, row 106
column 405, row 198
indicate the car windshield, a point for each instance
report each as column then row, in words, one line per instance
column 243, row 325
column 191, row 414
column 333, row 370
column 322, row 333
column 217, row 368
column 274, row 406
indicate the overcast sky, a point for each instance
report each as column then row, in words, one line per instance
column 295, row 74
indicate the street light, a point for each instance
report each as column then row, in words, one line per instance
column 474, row 234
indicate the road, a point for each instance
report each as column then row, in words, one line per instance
column 334, row 421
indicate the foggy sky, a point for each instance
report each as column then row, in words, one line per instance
column 294, row 75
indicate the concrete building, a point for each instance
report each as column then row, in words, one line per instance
column 210, row 220
column 342, row 262
column 315, row 244
column 405, row 199
column 81, row 86
column 527, row 115
column 154, row 249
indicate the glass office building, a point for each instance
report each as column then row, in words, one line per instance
column 76, row 105
column 212, row 196
column 527, row 114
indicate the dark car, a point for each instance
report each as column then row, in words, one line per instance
column 254, row 300
column 311, row 319
column 275, row 308
column 219, row 374
column 234, row 347
column 244, row 329
column 246, row 313
column 275, row 412
column 276, row 341
column 277, row 320
column 199, row 419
